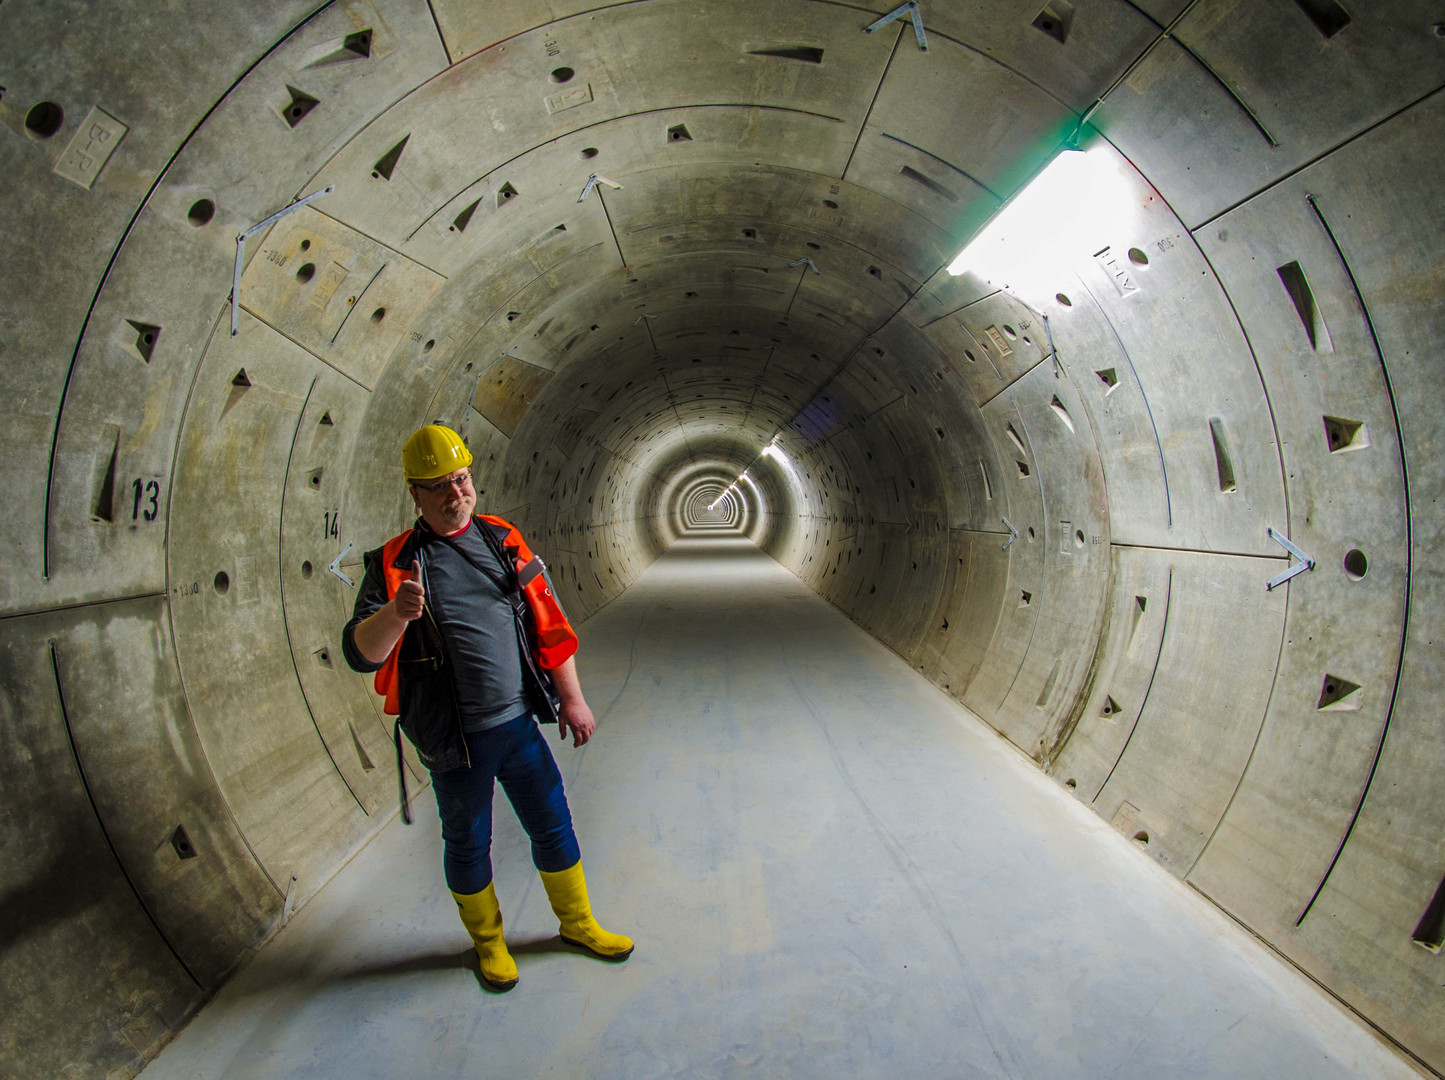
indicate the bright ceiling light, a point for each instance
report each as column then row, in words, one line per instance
column 1074, row 201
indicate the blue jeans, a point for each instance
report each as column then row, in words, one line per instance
column 516, row 754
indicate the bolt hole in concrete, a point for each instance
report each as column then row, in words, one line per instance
column 830, row 204
column 562, row 74
column 1138, row 258
column 44, row 119
column 588, row 153
column 1063, row 300
column 1071, row 783
column 201, row 212
column 1010, row 331
column 432, row 344
column 222, row 583
column 378, row 314
column 305, row 245
column 1356, row 565
column 1078, row 538
column 1031, row 534
column 1141, row 838
column 305, row 272
column 306, row 570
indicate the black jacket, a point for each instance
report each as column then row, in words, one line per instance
column 429, row 713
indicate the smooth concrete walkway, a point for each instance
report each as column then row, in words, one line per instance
column 831, row 870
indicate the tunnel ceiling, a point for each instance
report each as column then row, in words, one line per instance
column 626, row 248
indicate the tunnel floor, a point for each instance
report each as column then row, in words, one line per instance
column 830, row 868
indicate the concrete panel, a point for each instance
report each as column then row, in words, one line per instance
column 266, row 752
column 156, row 87
column 978, row 603
column 151, row 785
column 1057, row 668
column 1205, row 399
column 1358, row 936
column 314, row 531
column 506, row 390
column 999, row 146
column 1021, row 500
column 1070, row 57
column 1313, row 75
column 1125, row 665
column 1341, row 451
column 340, row 295
column 1184, row 131
column 78, row 944
column 1141, row 504
column 495, row 106
column 1188, row 749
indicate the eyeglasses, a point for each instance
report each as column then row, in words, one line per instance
column 461, row 483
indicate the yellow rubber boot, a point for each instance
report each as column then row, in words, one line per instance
column 482, row 916
column 567, row 889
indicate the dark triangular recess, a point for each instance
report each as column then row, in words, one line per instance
column 386, row 164
column 806, row 54
column 104, row 509
column 366, row 763
column 1224, row 466
column 355, row 46
column 1109, row 377
column 462, row 220
column 146, row 337
column 1342, row 434
column 678, row 133
column 1338, row 695
column 299, row 105
column 506, row 193
column 1055, row 20
column 1110, row 708
column 927, row 182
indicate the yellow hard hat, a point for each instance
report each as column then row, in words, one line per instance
column 434, row 451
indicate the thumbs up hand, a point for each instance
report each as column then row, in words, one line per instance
column 410, row 596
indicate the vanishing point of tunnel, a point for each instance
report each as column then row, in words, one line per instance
column 1148, row 486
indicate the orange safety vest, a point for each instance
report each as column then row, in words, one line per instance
column 555, row 640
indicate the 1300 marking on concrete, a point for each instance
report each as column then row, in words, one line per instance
column 90, row 148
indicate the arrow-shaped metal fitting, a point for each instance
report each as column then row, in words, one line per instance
column 335, row 566
column 1013, row 534
column 1306, row 562
column 909, row 9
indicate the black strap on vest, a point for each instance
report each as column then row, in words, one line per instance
column 401, row 772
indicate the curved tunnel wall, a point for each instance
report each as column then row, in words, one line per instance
column 1055, row 503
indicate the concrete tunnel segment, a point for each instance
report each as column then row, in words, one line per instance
column 1252, row 346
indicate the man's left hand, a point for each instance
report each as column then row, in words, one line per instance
column 576, row 715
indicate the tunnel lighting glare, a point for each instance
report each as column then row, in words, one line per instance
column 1074, row 198
column 775, row 452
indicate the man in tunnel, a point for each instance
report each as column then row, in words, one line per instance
column 433, row 618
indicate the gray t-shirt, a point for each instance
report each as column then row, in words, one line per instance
column 475, row 620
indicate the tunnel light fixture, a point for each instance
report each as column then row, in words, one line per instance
column 1071, row 199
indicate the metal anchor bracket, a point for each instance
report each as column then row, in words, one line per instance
column 909, row 9
column 1013, row 534
column 1306, row 562
column 805, row 260
column 252, row 231
column 335, row 566
column 593, row 181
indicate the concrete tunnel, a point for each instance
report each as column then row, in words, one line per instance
column 681, row 265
